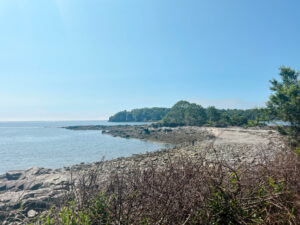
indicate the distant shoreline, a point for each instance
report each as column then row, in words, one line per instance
column 233, row 145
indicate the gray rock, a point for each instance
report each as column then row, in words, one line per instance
column 35, row 189
column 34, row 185
column 2, row 176
column 31, row 213
column 14, row 175
column 38, row 171
column 2, row 187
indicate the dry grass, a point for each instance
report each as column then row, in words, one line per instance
column 188, row 192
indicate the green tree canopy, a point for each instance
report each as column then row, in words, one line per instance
column 140, row 115
column 185, row 113
column 284, row 102
column 213, row 115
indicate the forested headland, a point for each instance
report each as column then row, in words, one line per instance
column 162, row 188
column 186, row 113
column 283, row 105
column 140, row 115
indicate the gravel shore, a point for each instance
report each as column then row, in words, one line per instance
column 26, row 193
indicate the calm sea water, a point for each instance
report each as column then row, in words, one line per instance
column 45, row 144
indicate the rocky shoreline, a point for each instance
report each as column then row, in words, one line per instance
column 166, row 135
column 24, row 194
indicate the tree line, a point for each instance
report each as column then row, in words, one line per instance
column 140, row 115
column 185, row 113
column 283, row 105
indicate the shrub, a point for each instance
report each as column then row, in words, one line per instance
column 187, row 191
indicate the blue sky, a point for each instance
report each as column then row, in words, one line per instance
column 78, row 59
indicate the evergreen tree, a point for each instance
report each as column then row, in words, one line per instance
column 284, row 102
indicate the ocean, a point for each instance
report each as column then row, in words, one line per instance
column 46, row 144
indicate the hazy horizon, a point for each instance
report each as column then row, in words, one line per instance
column 202, row 102
column 86, row 60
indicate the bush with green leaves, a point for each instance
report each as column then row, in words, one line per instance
column 284, row 102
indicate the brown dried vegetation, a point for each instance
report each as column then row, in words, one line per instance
column 188, row 192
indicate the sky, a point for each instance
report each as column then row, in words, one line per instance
column 86, row 60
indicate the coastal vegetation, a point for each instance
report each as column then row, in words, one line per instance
column 184, row 113
column 210, row 176
column 187, row 190
column 284, row 102
column 283, row 105
column 140, row 115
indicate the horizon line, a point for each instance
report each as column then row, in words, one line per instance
column 52, row 120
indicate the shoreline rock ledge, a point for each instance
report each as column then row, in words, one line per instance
column 24, row 194
column 28, row 192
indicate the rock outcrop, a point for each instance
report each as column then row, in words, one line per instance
column 29, row 192
column 25, row 194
